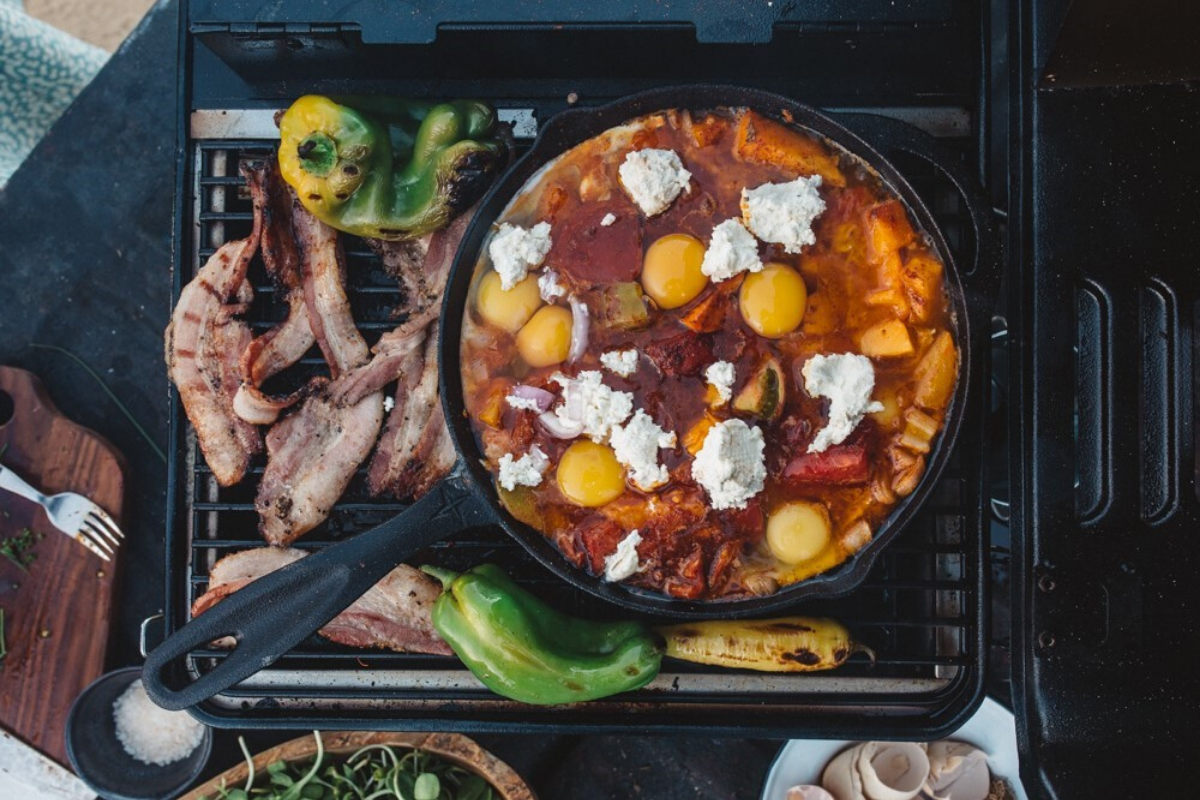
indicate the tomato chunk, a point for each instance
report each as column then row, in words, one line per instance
column 600, row 539
column 684, row 354
column 593, row 254
column 840, row 465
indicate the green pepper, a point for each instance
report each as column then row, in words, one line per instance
column 393, row 169
column 523, row 649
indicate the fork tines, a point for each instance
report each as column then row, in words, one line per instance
column 100, row 534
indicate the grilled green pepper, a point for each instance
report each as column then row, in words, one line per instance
column 394, row 170
column 522, row 649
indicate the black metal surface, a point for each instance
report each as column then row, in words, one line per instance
column 710, row 21
column 923, row 603
column 1105, row 293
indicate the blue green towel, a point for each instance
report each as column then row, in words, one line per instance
column 41, row 71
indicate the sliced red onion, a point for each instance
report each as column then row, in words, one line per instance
column 579, row 330
column 540, row 396
column 558, row 428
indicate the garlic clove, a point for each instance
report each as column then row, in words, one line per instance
column 841, row 778
column 892, row 770
column 958, row 771
column 806, row 792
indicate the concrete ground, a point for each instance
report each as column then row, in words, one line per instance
column 104, row 23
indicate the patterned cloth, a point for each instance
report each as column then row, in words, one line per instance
column 41, row 71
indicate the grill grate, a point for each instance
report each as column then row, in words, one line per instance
column 919, row 609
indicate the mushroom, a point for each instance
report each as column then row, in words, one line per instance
column 907, row 469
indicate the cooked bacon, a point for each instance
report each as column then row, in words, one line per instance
column 405, row 261
column 412, row 427
column 393, row 614
column 204, row 342
column 323, row 266
column 287, row 342
column 686, row 353
column 840, row 465
column 416, row 451
column 311, row 456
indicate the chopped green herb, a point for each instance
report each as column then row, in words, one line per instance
column 3, row 642
column 19, row 548
column 376, row 771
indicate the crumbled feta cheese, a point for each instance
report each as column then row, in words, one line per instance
column 524, row 471
column 609, row 219
column 732, row 250
column 514, row 251
column 549, row 287
column 847, row 380
column 784, row 212
column 522, row 403
column 620, row 362
column 590, row 406
column 388, row 404
column 653, row 179
column 721, row 376
column 731, row 466
column 623, row 562
column 636, row 445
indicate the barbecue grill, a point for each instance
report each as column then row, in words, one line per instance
column 924, row 609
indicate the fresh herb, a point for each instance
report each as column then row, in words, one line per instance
column 3, row 642
column 120, row 406
column 377, row 771
column 19, row 548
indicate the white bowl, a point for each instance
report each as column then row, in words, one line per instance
column 992, row 730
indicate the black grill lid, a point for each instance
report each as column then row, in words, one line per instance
column 1104, row 294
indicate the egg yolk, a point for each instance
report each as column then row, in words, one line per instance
column 798, row 531
column 508, row 310
column 546, row 338
column 773, row 301
column 671, row 273
column 589, row 475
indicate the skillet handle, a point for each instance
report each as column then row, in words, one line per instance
column 888, row 135
column 278, row 611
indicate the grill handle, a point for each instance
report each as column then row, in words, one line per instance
column 279, row 611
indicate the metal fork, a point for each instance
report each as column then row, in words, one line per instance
column 73, row 514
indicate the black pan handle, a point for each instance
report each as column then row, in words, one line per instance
column 278, row 611
column 886, row 134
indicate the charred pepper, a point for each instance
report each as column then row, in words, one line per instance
column 523, row 649
column 388, row 169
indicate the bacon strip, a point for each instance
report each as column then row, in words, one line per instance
column 311, row 456
column 203, row 343
column 416, row 451
column 323, row 265
column 313, row 453
column 412, row 429
column 393, row 614
column 286, row 343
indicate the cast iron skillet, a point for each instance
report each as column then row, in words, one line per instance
column 277, row 612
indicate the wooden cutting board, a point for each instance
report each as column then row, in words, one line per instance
column 57, row 613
